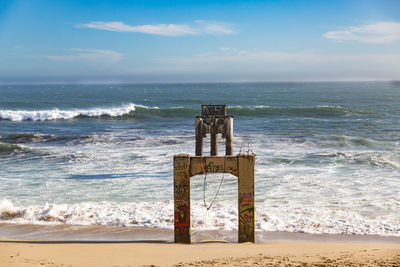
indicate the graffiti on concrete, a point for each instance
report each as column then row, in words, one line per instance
column 211, row 167
column 186, row 167
column 182, row 219
column 246, row 213
column 181, row 191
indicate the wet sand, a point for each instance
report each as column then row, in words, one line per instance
column 67, row 245
column 65, row 232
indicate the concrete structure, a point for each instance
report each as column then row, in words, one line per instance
column 213, row 120
column 186, row 166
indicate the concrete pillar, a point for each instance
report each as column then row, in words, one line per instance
column 214, row 140
column 182, row 198
column 199, row 136
column 229, row 136
column 246, row 198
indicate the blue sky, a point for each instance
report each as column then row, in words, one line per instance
column 198, row 41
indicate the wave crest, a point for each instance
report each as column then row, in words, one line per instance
column 143, row 112
column 8, row 148
column 57, row 114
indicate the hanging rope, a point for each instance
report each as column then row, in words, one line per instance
column 219, row 188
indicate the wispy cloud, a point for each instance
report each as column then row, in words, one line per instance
column 379, row 32
column 213, row 27
column 197, row 28
column 234, row 58
column 302, row 66
column 89, row 55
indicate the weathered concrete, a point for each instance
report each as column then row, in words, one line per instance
column 199, row 136
column 214, row 121
column 182, row 198
column 228, row 134
column 214, row 140
column 241, row 166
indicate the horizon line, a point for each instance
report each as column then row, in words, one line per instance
column 187, row 82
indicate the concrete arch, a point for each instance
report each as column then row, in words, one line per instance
column 241, row 166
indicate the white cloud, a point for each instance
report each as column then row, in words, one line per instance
column 90, row 55
column 379, row 32
column 213, row 28
column 199, row 27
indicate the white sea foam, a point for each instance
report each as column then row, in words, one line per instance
column 54, row 114
column 223, row 216
column 292, row 193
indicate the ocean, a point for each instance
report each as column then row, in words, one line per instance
column 327, row 155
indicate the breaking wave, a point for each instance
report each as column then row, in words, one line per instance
column 8, row 148
column 143, row 112
column 314, row 220
column 57, row 114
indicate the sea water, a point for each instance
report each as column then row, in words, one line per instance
column 327, row 155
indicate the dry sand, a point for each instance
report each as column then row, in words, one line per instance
column 45, row 253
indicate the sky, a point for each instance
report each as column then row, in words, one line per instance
column 199, row 41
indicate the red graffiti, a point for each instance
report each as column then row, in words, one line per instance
column 247, row 215
column 182, row 218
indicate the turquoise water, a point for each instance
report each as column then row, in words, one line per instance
column 327, row 154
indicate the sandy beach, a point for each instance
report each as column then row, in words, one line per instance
column 42, row 253
column 73, row 245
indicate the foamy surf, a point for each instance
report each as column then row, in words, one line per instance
column 59, row 114
column 288, row 218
